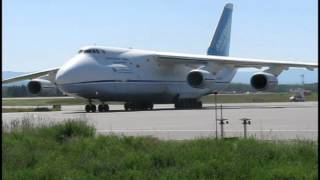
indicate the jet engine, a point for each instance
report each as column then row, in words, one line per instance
column 200, row 78
column 37, row 86
column 263, row 81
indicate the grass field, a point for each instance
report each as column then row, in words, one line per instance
column 27, row 109
column 238, row 98
column 72, row 151
column 42, row 102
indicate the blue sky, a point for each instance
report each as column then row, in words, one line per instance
column 45, row 34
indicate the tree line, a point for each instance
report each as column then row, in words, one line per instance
column 242, row 88
column 22, row 91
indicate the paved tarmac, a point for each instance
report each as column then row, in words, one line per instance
column 288, row 120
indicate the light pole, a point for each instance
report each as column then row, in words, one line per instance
column 245, row 122
column 216, row 113
column 222, row 122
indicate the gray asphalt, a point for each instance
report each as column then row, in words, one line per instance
column 292, row 120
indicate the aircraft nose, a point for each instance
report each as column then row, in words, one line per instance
column 70, row 72
column 65, row 75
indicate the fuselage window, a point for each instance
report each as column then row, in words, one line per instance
column 87, row 51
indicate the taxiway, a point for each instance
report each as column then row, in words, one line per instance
column 286, row 120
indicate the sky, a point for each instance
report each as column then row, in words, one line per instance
column 39, row 34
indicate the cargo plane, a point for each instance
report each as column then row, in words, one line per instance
column 141, row 78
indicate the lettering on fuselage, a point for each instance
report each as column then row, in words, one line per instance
column 122, row 70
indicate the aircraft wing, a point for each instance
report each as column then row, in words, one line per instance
column 31, row 75
column 275, row 66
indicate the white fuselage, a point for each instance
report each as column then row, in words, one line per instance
column 116, row 74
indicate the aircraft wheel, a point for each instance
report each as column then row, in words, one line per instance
column 177, row 105
column 188, row 104
column 88, row 108
column 101, row 108
column 126, row 106
column 150, row 106
column 93, row 108
column 200, row 105
column 185, row 104
column 106, row 107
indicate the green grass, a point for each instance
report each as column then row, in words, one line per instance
column 42, row 102
column 27, row 109
column 243, row 98
column 8, row 110
column 72, row 151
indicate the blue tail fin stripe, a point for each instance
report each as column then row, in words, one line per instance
column 221, row 40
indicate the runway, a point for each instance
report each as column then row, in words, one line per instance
column 288, row 120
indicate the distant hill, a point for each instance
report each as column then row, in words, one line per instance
column 292, row 76
column 11, row 74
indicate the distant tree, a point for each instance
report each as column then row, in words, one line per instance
column 241, row 88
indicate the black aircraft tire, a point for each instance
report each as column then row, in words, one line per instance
column 188, row 104
column 126, row 106
column 88, row 108
column 199, row 104
column 150, row 107
column 100, row 108
column 93, row 108
column 106, row 107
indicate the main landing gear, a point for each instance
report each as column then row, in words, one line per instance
column 103, row 107
column 188, row 104
column 93, row 108
column 133, row 106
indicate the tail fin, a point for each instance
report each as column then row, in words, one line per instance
column 221, row 40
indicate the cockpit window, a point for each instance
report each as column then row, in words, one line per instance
column 92, row 51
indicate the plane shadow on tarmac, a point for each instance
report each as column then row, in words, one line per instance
column 115, row 111
column 204, row 108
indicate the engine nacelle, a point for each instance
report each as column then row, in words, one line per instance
column 263, row 81
column 200, row 78
column 37, row 86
